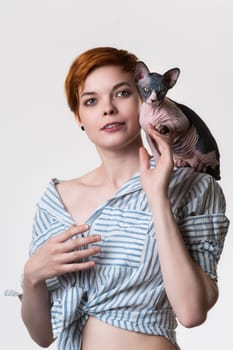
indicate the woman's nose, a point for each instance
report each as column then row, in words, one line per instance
column 109, row 108
column 109, row 111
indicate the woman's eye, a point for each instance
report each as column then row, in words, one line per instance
column 146, row 90
column 123, row 93
column 90, row 102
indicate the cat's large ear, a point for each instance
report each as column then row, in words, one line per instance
column 141, row 71
column 170, row 77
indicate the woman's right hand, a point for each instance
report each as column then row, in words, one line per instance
column 60, row 254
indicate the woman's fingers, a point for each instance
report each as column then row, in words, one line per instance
column 70, row 232
column 78, row 266
column 80, row 242
column 144, row 159
column 63, row 253
column 77, row 255
column 164, row 141
column 70, row 258
column 69, row 240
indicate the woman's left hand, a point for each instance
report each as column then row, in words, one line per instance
column 155, row 181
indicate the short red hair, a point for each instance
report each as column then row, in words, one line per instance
column 87, row 62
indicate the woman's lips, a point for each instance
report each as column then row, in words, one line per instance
column 112, row 126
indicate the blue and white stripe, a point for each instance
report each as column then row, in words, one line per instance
column 125, row 288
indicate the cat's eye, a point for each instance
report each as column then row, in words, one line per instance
column 146, row 90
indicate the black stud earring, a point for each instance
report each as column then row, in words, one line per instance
column 82, row 128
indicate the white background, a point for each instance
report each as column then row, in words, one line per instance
column 38, row 135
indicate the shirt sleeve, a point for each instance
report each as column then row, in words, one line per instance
column 203, row 223
column 41, row 223
column 40, row 230
column 65, row 294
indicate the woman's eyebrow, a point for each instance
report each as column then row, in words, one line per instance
column 88, row 93
column 121, row 84
column 115, row 87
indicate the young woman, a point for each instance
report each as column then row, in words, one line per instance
column 121, row 252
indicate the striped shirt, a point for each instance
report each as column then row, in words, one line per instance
column 125, row 288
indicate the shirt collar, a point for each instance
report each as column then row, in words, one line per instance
column 52, row 202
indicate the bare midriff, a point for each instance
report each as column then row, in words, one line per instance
column 98, row 335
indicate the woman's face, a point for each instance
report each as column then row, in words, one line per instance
column 109, row 107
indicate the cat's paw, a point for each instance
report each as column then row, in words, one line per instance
column 181, row 163
column 162, row 129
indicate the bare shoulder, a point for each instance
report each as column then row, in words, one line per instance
column 81, row 196
column 68, row 188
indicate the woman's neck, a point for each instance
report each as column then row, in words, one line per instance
column 119, row 167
